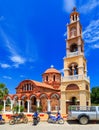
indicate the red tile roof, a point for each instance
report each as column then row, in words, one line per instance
column 43, row 85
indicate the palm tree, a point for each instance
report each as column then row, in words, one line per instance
column 3, row 92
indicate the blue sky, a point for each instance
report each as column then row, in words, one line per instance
column 32, row 38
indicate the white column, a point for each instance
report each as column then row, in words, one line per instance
column 30, row 106
column 28, row 101
column 11, row 104
column 26, row 87
column 71, row 20
column 4, row 105
column 48, row 105
column 19, row 103
column 38, row 102
column 83, row 98
column 63, row 101
column 77, row 18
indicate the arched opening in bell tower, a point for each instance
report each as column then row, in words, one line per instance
column 73, row 69
column 73, row 47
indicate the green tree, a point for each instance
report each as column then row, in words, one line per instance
column 3, row 92
column 95, row 95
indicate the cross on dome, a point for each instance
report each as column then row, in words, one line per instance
column 52, row 66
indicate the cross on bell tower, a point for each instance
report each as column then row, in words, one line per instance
column 74, row 15
column 74, row 9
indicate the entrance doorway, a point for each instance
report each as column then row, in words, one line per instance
column 33, row 104
column 73, row 101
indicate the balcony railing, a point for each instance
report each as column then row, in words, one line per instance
column 71, row 54
column 75, row 77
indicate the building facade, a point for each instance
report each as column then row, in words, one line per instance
column 75, row 84
column 33, row 94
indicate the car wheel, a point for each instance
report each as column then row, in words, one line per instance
column 83, row 120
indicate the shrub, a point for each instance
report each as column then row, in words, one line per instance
column 39, row 109
column 21, row 108
column 15, row 109
column 1, row 107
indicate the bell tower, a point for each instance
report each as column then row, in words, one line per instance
column 75, row 84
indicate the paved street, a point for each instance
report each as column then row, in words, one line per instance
column 46, row 126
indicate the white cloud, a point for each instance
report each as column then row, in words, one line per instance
column 69, row 4
column 17, row 59
column 89, row 6
column 95, row 46
column 91, row 36
column 5, row 65
column 91, row 33
column 11, row 46
column 7, row 77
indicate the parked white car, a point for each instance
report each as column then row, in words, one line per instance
column 83, row 113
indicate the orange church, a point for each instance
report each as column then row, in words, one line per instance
column 32, row 94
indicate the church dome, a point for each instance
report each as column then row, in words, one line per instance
column 51, row 70
column 52, row 77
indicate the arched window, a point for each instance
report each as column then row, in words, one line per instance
column 54, row 78
column 87, row 88
column 46, row 78
column 27, row 87
column 24, row 87
column 73, row 32
column 72, row 87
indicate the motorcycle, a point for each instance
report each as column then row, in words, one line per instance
column 55, row 119
column 36, row 118
column 16, row 119
column 2, row 121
